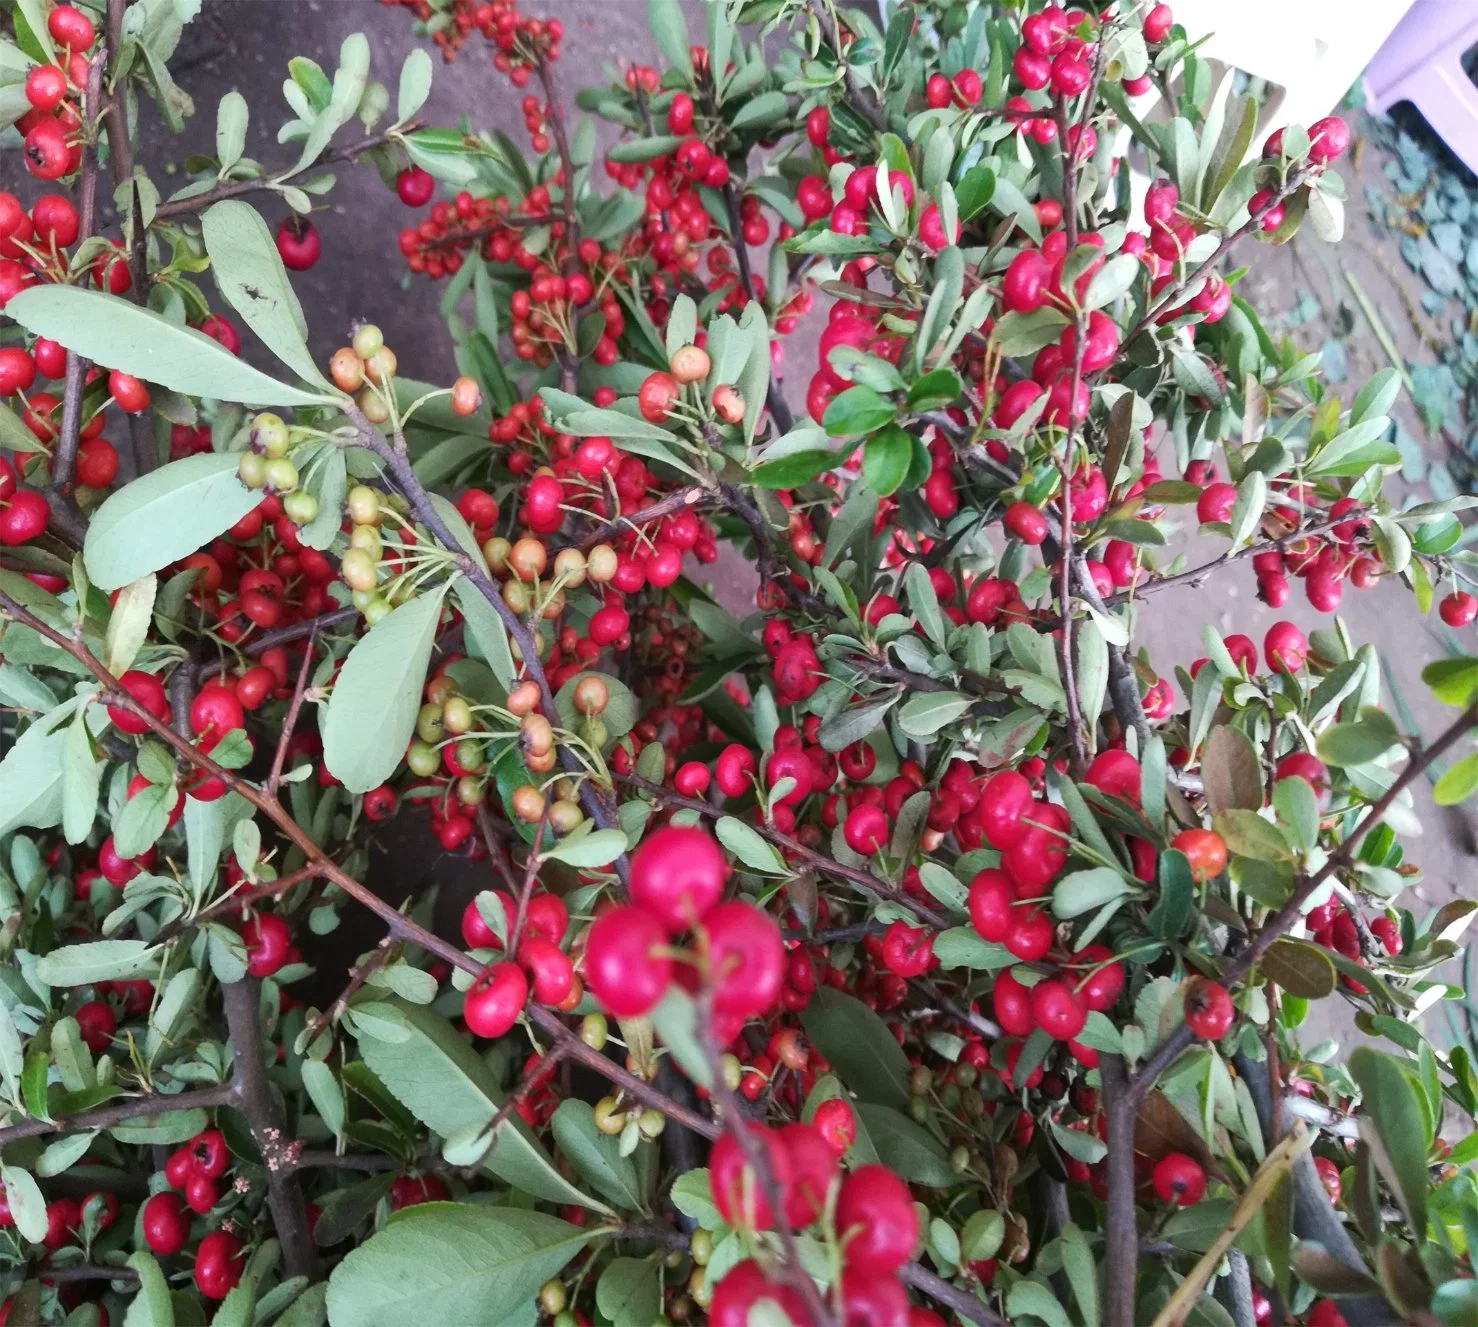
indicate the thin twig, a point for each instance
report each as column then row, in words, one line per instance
column 64, row 461
column 242, row 1001
column 968, row 1306
column 181, row 207
column 132, row 1108
column 279, row 757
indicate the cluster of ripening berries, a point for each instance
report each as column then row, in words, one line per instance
column 52, row 127
column 521, row 43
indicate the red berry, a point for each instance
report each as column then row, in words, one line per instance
column 1180, row 1179
column 623, row 965
column 1458, row 609
column 1206, row 851
column 268, row 940
column 746, row 959
column 495, row 1000
column 876, row 1220
column 678, row 874
column 298, row 244
column 166, row 1227
column 735, row 1189
column 1209, row 1012
column 415, row 186
column 218, row 1264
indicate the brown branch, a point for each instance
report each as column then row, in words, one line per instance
column 1121, row 1229
column 58, row 1276
column 237, row 901
column 530, row 877
column 863, row 879
column 1197, row 574
column 681, row 499
column 965, row 1304
column 358, row 975
column 180, row 207
column 571, row 1047
column 256, row 646
column 133, row 1108
column 279, row 757
column 242, row 1001
column 64, row 460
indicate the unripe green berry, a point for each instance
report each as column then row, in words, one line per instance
column 269, row 434
column 282, row 474
column 252, row 470
column 364, row 505
column 301, row 507
column 594, row 1030
column 422, row 759
column 367, row 340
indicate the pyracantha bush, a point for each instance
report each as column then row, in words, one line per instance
column 908, row 947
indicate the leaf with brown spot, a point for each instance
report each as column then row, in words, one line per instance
column 1160, row 1129
column 1231, row 772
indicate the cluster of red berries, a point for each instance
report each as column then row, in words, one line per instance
column 677, row 881
column 496, row 999
column 521, row 43
column 873, row 1215
column 52, row 127
column 1051, row 52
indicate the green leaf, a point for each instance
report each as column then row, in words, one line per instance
column 596, row 1156
column 1355, row 450
column 326, row 1094
column 629, row 1292
column 236, row 1309
column 98, row 960
column 1082, row 891
column 599, row 848
column 164, row 516
column 152, row 1306
column 926, row 712
column 745, row 843
column 118, row 334
column 944, row 303
column 446, row 1085
column 82, row 775
column 415, row 84
column 252, row 280
column 975, row 190
column 31, row 773
column 371, row 715
column 1082, row 1272
column 670, row 29
column 487, row 630
column 128, row 625
column 1458, row 783
column 1453, row 681
column 1365, row 739
column 1031, row 1299
column 859, row 1047
column 27, row 1204
column 452, row 1264
column 1111, row 281
column 1173, row 910
column 859, row 409
column 887, row 458
column 962, row 947
column 1301, row 969
column 1025, row 333
column 1400, row 1134
column 905, row 1147
column 1247, row 834
column 675, row 1020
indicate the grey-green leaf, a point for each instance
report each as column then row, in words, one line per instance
column 371, row 714
column 163, row 517
column 118, row 334
column 452, row 1264
column 250, row 275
